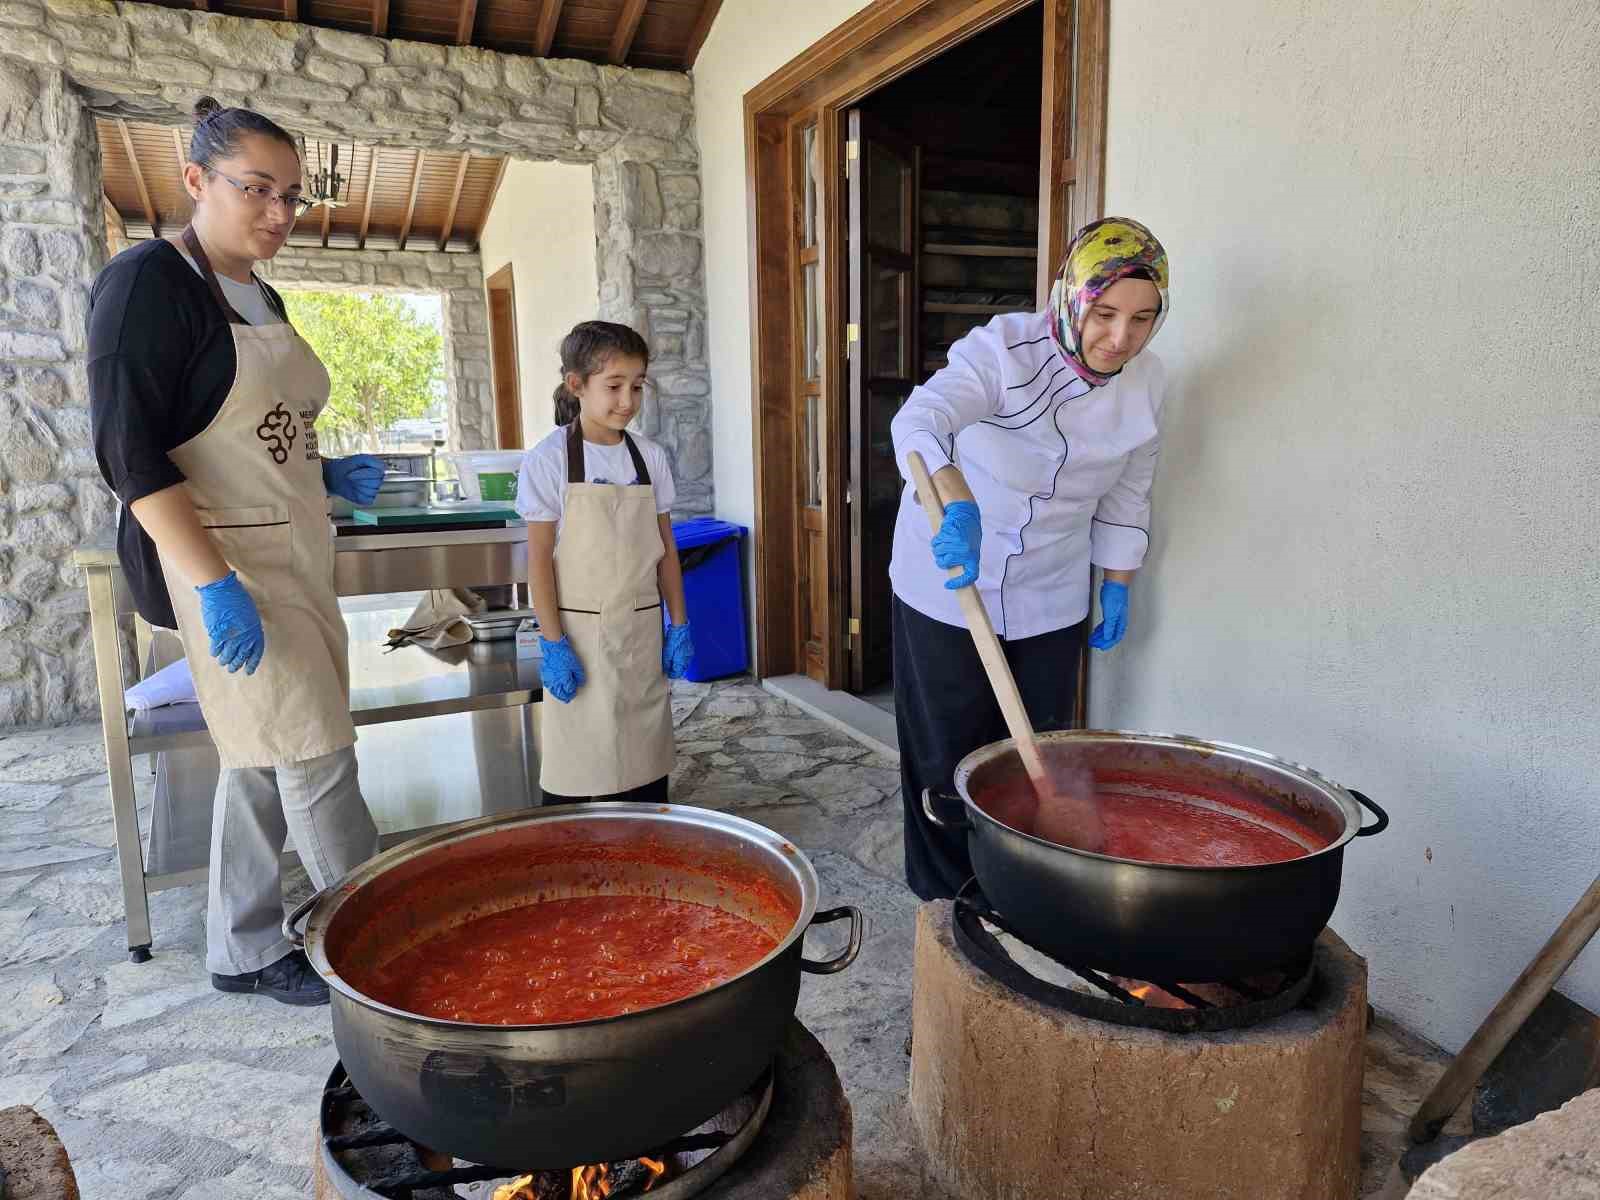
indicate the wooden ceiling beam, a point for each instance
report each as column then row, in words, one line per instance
column 138, row 177
column 701, row 31
column 182, row 152
column 291, row 10
column 455, row 201
column 366, row 203
column 411, row 202
column 488, row 206
column 544, row 37
column 380, row 18
column 202, row 5
column 465, row 22
column 627, row 28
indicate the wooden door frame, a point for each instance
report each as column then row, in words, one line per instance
column 493, row 283
column 879, row 44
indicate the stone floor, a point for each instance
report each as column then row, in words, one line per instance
column 161, row 1087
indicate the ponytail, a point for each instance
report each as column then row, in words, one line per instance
column 566, row 404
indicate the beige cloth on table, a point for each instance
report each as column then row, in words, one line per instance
column 439, row 620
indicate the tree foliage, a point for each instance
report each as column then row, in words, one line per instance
column 384, row 362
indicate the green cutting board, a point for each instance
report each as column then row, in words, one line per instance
column 455, row 514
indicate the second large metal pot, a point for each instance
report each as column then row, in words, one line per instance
column 532, row 1096
column 1148, row 920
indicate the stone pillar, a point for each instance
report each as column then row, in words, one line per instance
column 52, row 241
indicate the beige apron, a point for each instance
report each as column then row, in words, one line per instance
column 616, row 734
column 256, row 482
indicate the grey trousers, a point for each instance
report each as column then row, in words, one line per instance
column 317, row 803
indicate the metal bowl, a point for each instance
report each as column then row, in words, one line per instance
column 1152, row 920
column 534, row 1096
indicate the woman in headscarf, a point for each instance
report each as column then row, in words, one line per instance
column 1042, row 437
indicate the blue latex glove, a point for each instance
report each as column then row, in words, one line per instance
column 676, row 651
column 559, row 669
column 957, row 543
column 1113, row 615
column 356, row 478
column 232, row 623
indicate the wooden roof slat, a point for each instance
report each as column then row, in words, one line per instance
column 366, row 205
column 138, row 177
column 701, row 31
column 380, row 18
column 455, row 202
column 291, row 10
column 627, row 27
column 545, row 35
column 468, row 18
column 411, row 204
column 494, row 190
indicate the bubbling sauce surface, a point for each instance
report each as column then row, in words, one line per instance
column 1157, row 829
column 570, row 960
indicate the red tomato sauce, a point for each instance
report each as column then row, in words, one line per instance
column 1171, row 831
column 570, row 960
column 1156, row 830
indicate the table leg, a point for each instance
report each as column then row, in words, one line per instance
column 119, row 764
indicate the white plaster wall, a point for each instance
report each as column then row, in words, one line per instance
column 1378, row 509
column 542, row 223
column 749, row 40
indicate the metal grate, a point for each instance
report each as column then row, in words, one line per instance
column 1186, row 1008
column 366, row 1158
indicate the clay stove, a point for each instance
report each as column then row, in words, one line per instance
column 1029, row 1078
column 786, row 1138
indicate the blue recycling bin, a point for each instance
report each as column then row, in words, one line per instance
column 713, row 592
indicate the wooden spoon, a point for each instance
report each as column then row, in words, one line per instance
column 1069, row 816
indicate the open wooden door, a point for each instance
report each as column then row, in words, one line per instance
column 503, row 353
column 881, row 339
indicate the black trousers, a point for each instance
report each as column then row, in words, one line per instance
column 944, row 709
column 645, row 793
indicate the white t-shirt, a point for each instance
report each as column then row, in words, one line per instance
column 248, row 299
column 542, row 479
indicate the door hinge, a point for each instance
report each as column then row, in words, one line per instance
column 852, row 334
column 855, row 626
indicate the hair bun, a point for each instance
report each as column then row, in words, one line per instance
column 205, row 108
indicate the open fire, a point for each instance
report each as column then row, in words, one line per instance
column 601, row 1181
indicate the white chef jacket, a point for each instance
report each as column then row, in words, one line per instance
column 1061, row 473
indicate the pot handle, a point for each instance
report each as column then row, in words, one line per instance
column 296, row 938
column 846, row 956
column 938, row 822
column 1377, row 826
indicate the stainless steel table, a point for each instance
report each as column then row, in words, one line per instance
column 480, row 695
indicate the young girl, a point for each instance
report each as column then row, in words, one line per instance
column 601, row 561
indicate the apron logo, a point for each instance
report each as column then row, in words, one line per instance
column 277, row 430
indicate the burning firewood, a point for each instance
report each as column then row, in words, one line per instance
column 602, row 1181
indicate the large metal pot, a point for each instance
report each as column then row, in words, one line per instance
column 1147, row 920
column 532, row 1096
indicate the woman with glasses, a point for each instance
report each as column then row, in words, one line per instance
column 203, row 400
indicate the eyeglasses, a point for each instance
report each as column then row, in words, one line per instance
column 262, row 195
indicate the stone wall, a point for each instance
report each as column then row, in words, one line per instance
column 51, row 497
column 63, row 60
column 458, row 277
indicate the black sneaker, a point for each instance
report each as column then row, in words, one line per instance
column 290, row 980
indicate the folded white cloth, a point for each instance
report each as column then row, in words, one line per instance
column 173, row 684
column 439, row 620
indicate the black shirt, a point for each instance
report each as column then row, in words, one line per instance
column 161, row 362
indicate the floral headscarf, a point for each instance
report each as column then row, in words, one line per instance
column 1103, row 252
